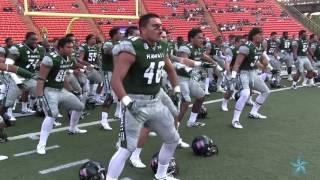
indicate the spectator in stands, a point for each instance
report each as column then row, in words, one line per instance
column 75, row 5
column 7, row 9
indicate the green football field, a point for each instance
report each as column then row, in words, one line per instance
column 264, row 150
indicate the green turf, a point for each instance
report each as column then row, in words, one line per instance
column 263, row 150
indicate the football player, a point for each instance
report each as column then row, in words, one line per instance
column 136, row 81
column 88, row 56
column 51, row 94
column 286, row 53
column 302, row 60
column 246, row 65
column 214, row 50
column 29, row 57
column 107, row 67
column 191, row 83
column 271, row 45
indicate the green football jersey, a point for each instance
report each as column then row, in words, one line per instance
column 253, row 55
column 107, row 59
column 285, row 45
column 29, row 59
column 91, row 54
column 171, row 48
column 271, row 46
column 302, row 47
column 195, row 53
column 144, row 76
column 59, row 68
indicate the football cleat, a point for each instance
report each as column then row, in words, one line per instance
column 77, row 131
column 257, row 116
column 290, row 78
column 41, row 149
column 224, row 107
column 137, row 163
column 182, row 144
column 106, row 126
column 195, row 124
column 237, row 125
column 294, row 86
column 169, row 177
column 28, row 111
column 56, row 124
column 220, row 89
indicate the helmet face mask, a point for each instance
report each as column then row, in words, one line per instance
column 173, row 168
column 92, row 171
column 204, row 146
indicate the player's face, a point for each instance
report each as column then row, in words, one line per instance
column 258, row 38
column 32, row 41
column 153, row 30
column 274, row 37
column 198, row 40
column 67, row 49
column 92, row 40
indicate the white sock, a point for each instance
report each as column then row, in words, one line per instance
column 24, row 106
column 117, row 163
column 193, row 117
column 162, row 170
column 118, row 112
column 104, row 118
column 236, row 115
column 207, row 85
column 294, row 83
column 225, row 102
column 165, row 154
column 74, row 119
column 31, row 102
column 136, row 153
column 9, row 112
column 255, row 108
column 46, row 128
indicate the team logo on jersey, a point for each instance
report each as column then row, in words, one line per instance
column 145, row 45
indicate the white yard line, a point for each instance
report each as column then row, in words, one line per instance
column 28, row 135
column 63, row 166
column 34, row 151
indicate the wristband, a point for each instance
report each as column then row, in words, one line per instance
column 233, row 74
column 176, row 89
column 126, row 100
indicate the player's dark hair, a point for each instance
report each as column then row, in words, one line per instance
column 63, row 41
column 69, row 35
column 254, row 31
column 193, row 32
column 113, row 31
column 285, row 33
column 29, row 34
column 237, row 39
column 7, row 39
column 302, row 32
column 89, row 37
column 311, row 36
column 130, row 30
column 273, row 33
column 144, row 19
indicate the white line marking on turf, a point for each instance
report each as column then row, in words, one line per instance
column 34, row 151
column 63, row 166
column 28, row 135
